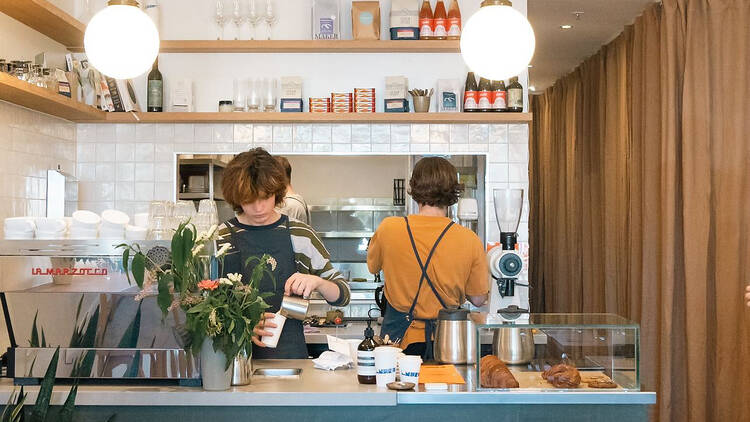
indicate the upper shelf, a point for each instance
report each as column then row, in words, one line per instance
column 304, row 46
column 46, row 18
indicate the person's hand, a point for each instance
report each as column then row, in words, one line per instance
column 747, row 295
column 302, row 284
column 259, row 330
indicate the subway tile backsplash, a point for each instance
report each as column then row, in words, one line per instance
column 140, row 167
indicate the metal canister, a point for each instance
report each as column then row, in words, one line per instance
column 513, row 346
column 242, row 369
column 294, row 307
column 455, row 337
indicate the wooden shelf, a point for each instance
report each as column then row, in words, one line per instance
column 304, row 46
column 318, row 118
column 45, row 17
column 24, row 94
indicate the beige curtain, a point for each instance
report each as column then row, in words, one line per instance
column 640, row 193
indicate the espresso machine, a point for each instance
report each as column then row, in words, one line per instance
column 509, row 294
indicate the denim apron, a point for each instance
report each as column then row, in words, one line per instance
column 276, row 242
column 395, row 322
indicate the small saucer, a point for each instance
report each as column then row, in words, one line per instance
column 401, row 386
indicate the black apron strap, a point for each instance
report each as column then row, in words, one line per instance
column 425, row 266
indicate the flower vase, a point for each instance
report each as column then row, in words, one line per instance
column 215, row 375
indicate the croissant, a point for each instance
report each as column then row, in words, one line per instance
column 494, row 373
column 562, row 376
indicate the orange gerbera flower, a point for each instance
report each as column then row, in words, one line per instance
column 208, row 284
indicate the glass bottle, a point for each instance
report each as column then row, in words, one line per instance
column 500, row 96
column 454, row 21
column 425, row 21
column 440, row 22
column 155, row 89
column 471, row 95
column 485, row 95
column 366, row 357
column 515, row 95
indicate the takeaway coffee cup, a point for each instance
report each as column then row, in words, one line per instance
column 409, row 367
column 385, row 365
column 273, row 340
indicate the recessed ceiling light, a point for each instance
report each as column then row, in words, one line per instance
column 566, row 26
column 532, row 88
column 530, row 66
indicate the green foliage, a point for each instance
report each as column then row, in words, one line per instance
column 129, row 339
column 224, row 310
column 84, row 334
column 66, row 414
column 39, row 413
column 13, row 411
column 35, row 341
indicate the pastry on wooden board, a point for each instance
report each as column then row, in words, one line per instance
column 494, row 374
column 602, row 384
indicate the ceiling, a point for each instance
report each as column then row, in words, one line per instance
column 560, row 51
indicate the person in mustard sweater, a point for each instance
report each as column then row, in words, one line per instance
column 747, row 295
column 453, row 259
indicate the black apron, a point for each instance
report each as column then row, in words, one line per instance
column 395, row 322
column 276, row 241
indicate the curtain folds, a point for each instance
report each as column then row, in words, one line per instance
column 640, row 199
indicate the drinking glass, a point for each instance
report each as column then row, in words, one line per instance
column 183, row 211
column 253, row 17
column 238, row 18
column 253, row 96
column 220, row 18
column 240, row 94
column 270, row 86
column 271, row 16
column 208, row 206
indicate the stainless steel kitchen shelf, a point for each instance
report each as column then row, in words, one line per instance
column 71, row 248
column 345, row 235
column 386, row 208
column 202, row 161
column 191, row 196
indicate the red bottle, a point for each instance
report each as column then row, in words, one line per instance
column 454, row 21
column 426, row 20
column 440, row 25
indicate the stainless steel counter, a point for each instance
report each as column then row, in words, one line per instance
column 315, row 388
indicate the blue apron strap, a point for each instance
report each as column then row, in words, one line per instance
column 426, row 265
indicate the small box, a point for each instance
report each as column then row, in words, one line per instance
column 396, row 105
column 404, row 33
column 291, row 105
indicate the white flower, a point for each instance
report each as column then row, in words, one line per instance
column 201, row 238
column 235, row 278
column 272, row 262
column 198, row 248
column 223, row 250
column 211, row 232
column 225, row 281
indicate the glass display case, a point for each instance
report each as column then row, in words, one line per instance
column 553, row 352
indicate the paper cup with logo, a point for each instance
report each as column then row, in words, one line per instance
column 385, row 365
column 409, row 367
column 273, row 340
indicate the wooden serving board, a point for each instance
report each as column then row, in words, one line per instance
column 533, row 381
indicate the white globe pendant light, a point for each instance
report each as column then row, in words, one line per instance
column 121, row 41
column 497, row 41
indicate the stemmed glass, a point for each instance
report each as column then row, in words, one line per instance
column 220, row 17
column 271, row 16
column 253, row 17
column 238, row 18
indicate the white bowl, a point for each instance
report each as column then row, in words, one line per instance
column 86, row 219
column 50, row 225
column 115, row 218
column 51, row 235
column 9, row 235
column 19, row 224
column 79, row 233
column 136, row 233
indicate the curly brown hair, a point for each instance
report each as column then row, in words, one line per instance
column 253, row 175
column 434, row 182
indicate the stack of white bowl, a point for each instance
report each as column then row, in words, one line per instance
column 51, row 228
column 139, row 229
column 113, row 224
column 85, row 225
column 19, row 228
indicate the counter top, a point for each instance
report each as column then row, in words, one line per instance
column 315, row 387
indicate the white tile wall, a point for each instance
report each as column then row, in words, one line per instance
column 30, row 144
column 134, row 164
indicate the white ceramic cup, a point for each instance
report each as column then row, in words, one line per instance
column 409, row 367
column 273, row 340
column 385, row 365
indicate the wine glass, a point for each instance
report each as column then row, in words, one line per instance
column 220, row 18
column 253, row 17
column 238, row 18
column 271, row 16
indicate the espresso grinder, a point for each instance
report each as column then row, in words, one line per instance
column 509, row 295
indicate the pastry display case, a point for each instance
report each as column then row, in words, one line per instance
column 553, row 352
column 74, row 294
